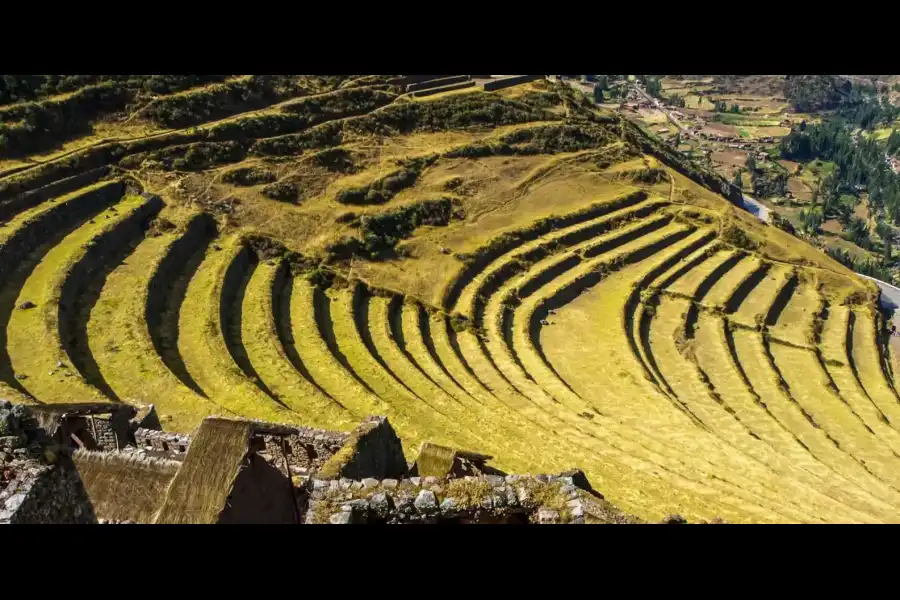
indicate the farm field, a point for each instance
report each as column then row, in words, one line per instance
column 514, row 272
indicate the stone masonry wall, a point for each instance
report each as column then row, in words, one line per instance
column 161, row 444
column 540, row 499
column 372, row 450
column 46, row 494
column 307, row 450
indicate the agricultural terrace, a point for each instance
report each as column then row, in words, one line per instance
column 514, row 272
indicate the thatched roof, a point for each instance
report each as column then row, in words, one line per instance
column 438, row 461
column 49, row 416
column 434, row 460
column 124, row 487
column 201, row 487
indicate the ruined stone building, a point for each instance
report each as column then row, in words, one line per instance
column 110, row 463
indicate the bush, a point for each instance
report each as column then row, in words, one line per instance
column 382, row 190
column 381, row 233
column 246, row 176
column 780, row 222
column 220, row 101
column 334, row 159
column 538, row 140
column 282, row 191
column 23, row 88
column 341, row 103
column 37, row 126
column 202, row 155
column 453, row 112
column 321, row 136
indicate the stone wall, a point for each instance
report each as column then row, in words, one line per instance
column 307, row 450
column 371, row 450
column 497, row 84
column 38, row 482
column 161, row 444
column 46, row 494
column 542, row 499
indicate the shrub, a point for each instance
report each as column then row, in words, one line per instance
column 219, row 101
column 334, row 159
column 36, row 126
column 382, row 190
column 780, row 222
column 204, row 155
column 282, row 191
column 452, row 112
column 341, row 103
column 246, row 176
column 321, row 136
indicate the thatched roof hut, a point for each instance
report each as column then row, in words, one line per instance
column 199, row 491
column 124, row 487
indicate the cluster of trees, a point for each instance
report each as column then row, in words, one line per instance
column 220, row 101
column 652, row 85
column 548, row 139
column 380, row 233
column 892, row 146
column 28, row 88
column 866, row 266
column 860, row 163
column 867, row 111
column 385, row 188
column 453, row 112
column 814, row 92
column 37, row 126
column 722, row 106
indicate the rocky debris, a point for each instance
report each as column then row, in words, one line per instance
column 675, row 520
column 115, row 522
column 426, row 502
column 28, row 304
column 544, row 499
column 341, row 518
column 449, row 507
column 547, row 516
column 381, row 504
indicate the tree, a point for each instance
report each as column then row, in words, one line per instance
column 751, row 162
column 893, row 142
column 598, row 94
column 886, row 234
column 812, row 220
column 677, row 139
column 602, row 82
column 737, row 179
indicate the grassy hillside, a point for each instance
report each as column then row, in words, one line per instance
column 510, row 272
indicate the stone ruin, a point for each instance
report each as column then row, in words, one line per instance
column 111, row 463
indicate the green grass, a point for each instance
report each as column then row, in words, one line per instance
column 33, row 336
column 121, row 344
column 260, row 338
column 203, row 348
